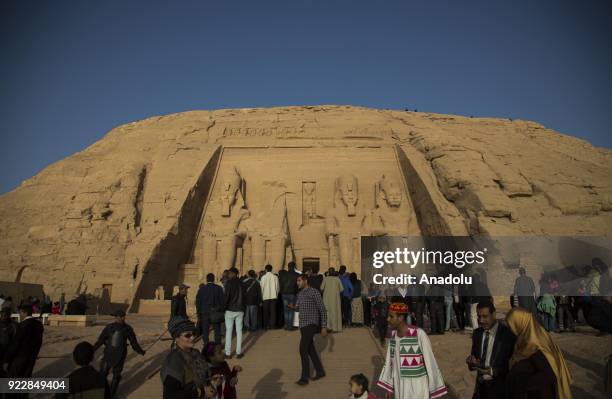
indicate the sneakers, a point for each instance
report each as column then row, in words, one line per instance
column 302, row 382
column 239, row 356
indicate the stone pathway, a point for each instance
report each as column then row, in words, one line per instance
column 272, row 365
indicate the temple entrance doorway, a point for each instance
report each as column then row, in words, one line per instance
column 311, row 263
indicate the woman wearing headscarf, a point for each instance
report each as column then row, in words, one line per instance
column 184, row 373
column 537, row 367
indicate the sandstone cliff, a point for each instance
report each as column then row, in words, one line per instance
column 130, row 204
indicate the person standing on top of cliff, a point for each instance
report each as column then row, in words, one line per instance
column 115, row 337
column 178, row 305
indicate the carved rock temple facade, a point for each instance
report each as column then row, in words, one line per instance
column 168, row 199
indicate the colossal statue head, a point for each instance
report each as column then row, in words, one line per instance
column 390, row 191
column 347, row 192
column 230, row 185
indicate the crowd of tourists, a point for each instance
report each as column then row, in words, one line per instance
column 268, row 300
column 512, row 358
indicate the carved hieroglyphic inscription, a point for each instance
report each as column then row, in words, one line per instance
column 270, row 131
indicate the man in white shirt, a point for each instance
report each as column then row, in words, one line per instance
column 269, row 292
column 492, row 347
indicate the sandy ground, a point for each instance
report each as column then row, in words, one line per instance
column 271, row 361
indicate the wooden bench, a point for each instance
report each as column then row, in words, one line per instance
column 71, row 320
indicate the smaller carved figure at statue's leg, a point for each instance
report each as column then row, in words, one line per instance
column 227, row 252
column 258, row 252
column 276, row 257
column 345, row 244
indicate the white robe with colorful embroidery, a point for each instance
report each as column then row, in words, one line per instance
column 410, row 370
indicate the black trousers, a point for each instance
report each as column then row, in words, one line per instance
column 308, row 351
column 436, row 312
column 491, row 389
column 117, row 368
column 269, row 313
column 459, row 309
column 345, row 304
column 205, row 324
column 419, row 308
column 381, row 326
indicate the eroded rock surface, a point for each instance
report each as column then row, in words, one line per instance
column 129, row 211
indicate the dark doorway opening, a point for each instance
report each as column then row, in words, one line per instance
column 311, row 263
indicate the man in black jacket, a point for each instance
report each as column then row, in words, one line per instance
column 253, row 299
column 234, row 312
column 209, row 306
column 288, row 290
column 23, row 352
column 492, row 348
column 115, row 337
column 178, row 305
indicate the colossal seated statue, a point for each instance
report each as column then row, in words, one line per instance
column 393, row 214
column 222, row 225
column 345, row 223
column 266, row 234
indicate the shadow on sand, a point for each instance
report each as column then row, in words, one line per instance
column 269, row 386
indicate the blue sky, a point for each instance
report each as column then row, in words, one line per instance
column 73, row 70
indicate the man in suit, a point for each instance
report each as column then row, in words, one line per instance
column 492, row 347
column 25, row 347
column 209, row 306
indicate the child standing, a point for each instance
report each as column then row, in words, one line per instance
column 218, row 366
column 359, row 387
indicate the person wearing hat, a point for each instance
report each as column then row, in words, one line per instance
column 184, row 373
column 115, row 337
column 178, row 306
column 410, row 369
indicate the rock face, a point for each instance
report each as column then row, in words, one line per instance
column 170, row 198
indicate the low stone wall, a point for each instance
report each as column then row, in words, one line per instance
column 71, row 320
